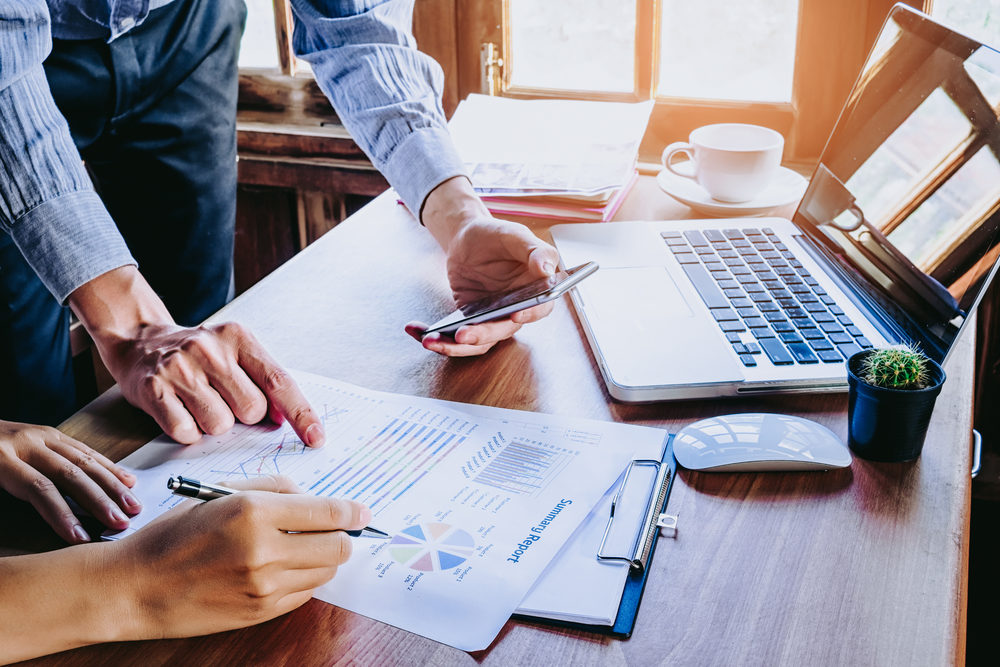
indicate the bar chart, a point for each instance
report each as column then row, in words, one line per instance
column 524, row 467
column 387, row 464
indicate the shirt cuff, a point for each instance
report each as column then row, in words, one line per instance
column 70, row 240
column 421, row 162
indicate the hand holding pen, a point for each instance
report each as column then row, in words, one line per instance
column 237, row 560
column 192, row 488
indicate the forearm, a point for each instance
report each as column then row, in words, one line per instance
column 61, row 600
column 449, row 207
column 47, row 202
column 385, row 91
column 116, row 307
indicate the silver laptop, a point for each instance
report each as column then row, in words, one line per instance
column 895, row 240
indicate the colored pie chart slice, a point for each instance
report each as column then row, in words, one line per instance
column 431, row 547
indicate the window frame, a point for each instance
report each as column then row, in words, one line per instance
column 805, row 121
column 454, row 31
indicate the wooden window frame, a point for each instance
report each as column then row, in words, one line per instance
column 805, row 121
column 454, row 31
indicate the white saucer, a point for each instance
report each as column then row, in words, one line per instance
column 786, row 188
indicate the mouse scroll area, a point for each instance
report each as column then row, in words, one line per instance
column 759, row 442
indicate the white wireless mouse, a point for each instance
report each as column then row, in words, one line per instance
column 757, row 442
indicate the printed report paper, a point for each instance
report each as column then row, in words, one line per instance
column 477, row 505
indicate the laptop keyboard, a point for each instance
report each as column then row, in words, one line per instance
column 764, row 300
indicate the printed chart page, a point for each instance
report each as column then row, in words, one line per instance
column 477, row 506
column 557, row 594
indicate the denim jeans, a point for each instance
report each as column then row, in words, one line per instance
column 153, row 114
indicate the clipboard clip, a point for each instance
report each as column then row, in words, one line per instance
column 653, row 518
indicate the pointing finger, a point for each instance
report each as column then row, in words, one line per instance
column 283, row 394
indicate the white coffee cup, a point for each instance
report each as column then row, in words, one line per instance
column 733, row 162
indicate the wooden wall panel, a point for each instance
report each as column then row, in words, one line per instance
column 478, row 22
column 435, row 29
column 266, row 232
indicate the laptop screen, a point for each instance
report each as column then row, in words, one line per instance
column 906, row 198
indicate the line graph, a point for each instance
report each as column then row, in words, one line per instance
column 273, row 458
column 269, row 460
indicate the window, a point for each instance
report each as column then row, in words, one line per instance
column 979, row 19
column 259, row 47
column 578, row 45
column 713, row 49
column 719, row 49
column 267, row 38
column 787, row 64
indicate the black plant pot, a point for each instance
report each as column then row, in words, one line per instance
column 889, row 424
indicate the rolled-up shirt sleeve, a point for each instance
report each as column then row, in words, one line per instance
column 47, row 202
column 386, row 92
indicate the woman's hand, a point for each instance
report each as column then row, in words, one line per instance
column 40, row 465
column 198, row 569
column 237, row 560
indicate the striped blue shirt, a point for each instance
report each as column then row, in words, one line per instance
column 364, row 57
column 47, row 202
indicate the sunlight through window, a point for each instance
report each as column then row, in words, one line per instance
column 726, row 49
column 259, row 46
column 573, row 44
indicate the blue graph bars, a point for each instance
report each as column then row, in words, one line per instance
column 388, row 464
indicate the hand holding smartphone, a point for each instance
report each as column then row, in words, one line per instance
column 498, row 306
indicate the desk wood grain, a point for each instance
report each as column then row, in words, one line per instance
column 865, row 566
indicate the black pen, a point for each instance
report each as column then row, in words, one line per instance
column 192, row 488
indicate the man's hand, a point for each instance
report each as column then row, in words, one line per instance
column 40, row 465
column 485, row 256
column 199, row 380
column 190, row 380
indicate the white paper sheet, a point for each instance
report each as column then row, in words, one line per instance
column 478, row 506
column 549, row 147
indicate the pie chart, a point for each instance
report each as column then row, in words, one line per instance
column 429, row 547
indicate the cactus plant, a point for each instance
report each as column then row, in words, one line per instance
column 901, row 367
column 890, row 399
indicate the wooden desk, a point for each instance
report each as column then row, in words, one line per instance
column 866, row 566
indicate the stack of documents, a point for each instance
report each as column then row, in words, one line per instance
column 564, row 159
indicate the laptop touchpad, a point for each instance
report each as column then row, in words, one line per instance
column 647, row 298
column 648, row 332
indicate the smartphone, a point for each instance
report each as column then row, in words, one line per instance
column 498, row 306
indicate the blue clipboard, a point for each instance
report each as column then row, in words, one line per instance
column 642, row 556
column 642, row 549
